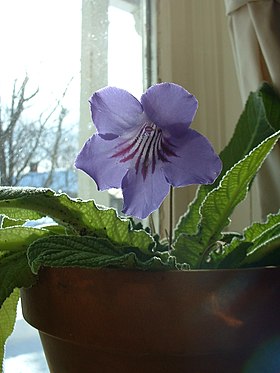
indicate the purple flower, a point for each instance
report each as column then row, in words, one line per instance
column 144, row 147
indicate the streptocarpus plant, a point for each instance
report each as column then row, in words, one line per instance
column 143, row 154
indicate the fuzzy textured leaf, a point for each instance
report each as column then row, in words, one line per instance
column 189, row 251
column 260, row 232
column 260, row 119
column 8, row 312
column 79, row 217
column 232, row 257
column 90, row 252
column 14, row 272
column 220, row 203
column 18, row 238
column 266, row 254
column 263, row 240
column 14, row 269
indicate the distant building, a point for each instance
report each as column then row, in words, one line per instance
column 62, row 180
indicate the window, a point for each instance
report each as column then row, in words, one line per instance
column 54, row 55
column 122, row 28
column 40, row 80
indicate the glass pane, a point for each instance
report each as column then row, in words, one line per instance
column 115, row 58
column 39, row 90
column 125, row 57
column 55, row 54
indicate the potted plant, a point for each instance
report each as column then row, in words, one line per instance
column 108, row 295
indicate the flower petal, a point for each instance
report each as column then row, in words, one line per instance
column 95, row 159
column 142, row 197
column 195, row 163
column 170, row 107
column 115, row 110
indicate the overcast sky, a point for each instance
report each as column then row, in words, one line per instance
column 42, row 39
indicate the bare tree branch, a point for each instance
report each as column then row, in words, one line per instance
column 25, row 141
column 55, row 149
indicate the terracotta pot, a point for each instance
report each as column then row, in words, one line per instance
column 154, row 322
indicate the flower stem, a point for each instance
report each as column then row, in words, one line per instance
column 171, row 201
column 152, row 225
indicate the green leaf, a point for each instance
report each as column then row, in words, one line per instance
column 34, row 203
column 259, row 240
column 14, row 269
column 90, row 252
column 8, row 312
column 6, row 222
column 14, row 273
column 10, row 194
column 18, row 238
column 220, row 203
column 256, row 123
column 79, row 217
column 188, row 250
column 258, row 233
column 271, row 102
column 189, row 222
column 260, row 119
column 232, row 258
column 266, row 254
column 265, row 239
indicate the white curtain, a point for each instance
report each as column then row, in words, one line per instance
column 255, row 34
